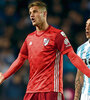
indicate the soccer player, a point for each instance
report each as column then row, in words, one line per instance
column 44, row 48
column 82, row 82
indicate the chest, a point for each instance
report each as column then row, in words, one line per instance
column 37, row 45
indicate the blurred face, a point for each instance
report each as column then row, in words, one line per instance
column 88, row 29
column 37, row 15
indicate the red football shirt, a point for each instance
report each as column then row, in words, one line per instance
column 45, row 55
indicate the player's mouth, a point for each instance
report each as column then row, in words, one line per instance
column 33, row 20
column 87, row 31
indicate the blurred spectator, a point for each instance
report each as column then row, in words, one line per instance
column 69, row 79
column 4, row 43
column 15, row 88
column 9, row 32
column 66, row 26
column 54, row 20
column 10, row 13
column 80, row 38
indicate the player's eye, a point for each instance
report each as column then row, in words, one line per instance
column 29, row 13
column 35, row 11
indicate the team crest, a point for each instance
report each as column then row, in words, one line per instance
column 63, row 34
column 46, row 41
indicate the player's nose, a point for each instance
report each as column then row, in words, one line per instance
column 32, row 15
column 87, row 27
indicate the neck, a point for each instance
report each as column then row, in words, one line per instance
column 42, row 27
column 89, row 40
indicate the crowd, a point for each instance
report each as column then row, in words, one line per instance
column 15, row 24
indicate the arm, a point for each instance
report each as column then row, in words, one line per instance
column 13, row 68
column 78, row 84
column 78, row 62
column 64, row 46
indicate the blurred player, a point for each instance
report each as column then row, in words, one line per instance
column 44, row 48
column 82, row 82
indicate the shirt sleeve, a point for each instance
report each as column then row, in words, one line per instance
column 62, row 43
column 15, row 66
column 78, row 62
column 18, row 62
column 24, row 50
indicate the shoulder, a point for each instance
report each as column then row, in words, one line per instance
column 57, row 31
column 81, row 47
column 30, row 34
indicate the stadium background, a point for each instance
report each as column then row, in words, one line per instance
column 68, row 15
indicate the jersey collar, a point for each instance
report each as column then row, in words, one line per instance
column 43, row 31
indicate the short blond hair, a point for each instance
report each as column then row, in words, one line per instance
column 40, row 4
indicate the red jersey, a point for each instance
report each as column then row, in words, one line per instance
column 45, row 54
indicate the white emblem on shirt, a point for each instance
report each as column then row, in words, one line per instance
column 66, row 41
column 30, row 43
column 46, row 41
column 63, row 34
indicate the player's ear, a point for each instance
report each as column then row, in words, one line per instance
column 45, row 13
